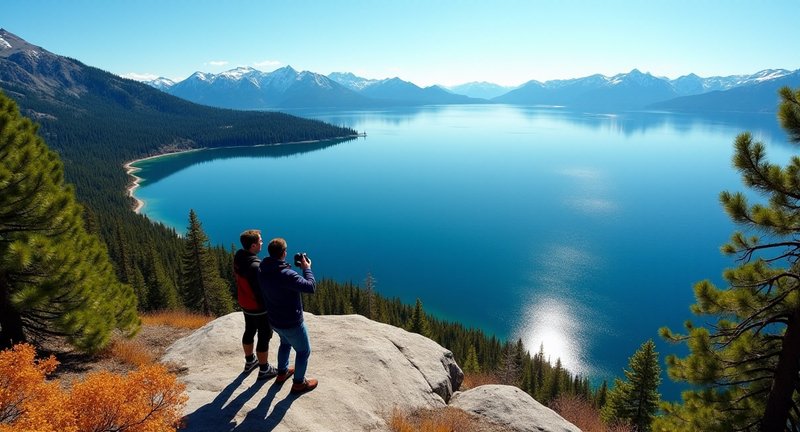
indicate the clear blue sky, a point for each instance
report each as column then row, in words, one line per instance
column 427, row 42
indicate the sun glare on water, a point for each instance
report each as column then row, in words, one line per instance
column 549, row 324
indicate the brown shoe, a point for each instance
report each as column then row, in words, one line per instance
column 305, row 386
column 282, row 377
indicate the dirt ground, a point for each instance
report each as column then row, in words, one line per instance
column 74, row 365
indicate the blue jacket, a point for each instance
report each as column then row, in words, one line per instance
column 281, row 287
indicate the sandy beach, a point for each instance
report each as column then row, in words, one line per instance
column 131, row 171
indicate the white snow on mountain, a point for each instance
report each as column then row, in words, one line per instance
column 202, row 76
column 160, row 83
column 279, row 79
column 352, row 81
column 4, row 44
column 238, row 73
column 770, row 74
column 318, row 79
column 634, row 76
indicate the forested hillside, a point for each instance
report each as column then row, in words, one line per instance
column 97, row 121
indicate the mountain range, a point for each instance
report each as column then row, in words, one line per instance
column 97, row 120
column 248, row 88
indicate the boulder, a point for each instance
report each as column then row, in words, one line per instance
column 365, row 369
column 511, row 408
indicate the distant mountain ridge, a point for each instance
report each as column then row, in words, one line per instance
column 248, row 88
column 757, row 95
column 481, row 90
column 637, row 90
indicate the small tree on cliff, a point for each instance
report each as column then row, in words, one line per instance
column 635, row 400
column 419, row 322
column 204, row 289
column 55, row 278
column 746, row 364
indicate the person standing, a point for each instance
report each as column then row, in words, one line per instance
column 248, row 293
column 281, row 287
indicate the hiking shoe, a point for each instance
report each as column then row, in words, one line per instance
column 267, row 373
column 305, row 386
column 282, row 377
column 250, row 364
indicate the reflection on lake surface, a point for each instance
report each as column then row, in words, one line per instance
column 583, row 232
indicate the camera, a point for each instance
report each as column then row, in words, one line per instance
column 297, row 257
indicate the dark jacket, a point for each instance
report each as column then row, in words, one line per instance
column 248, row 293
column 281, row 287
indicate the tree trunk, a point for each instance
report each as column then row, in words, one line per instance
column 10, row 320
column 779, row 403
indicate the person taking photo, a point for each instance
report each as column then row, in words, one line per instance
column 281, row 287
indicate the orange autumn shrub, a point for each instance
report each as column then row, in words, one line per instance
column 176, row 318
column 148, row 399
column 445, row 419
column 584, row 415
column 130, row 352
column 27, row 401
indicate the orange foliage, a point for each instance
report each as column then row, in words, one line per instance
column 27, row 401
column 146, row 400
column 584, row 415
column 472, row 380
column 180, row 319
column 130, row 352
column 439, row 420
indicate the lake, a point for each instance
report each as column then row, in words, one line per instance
column 583, row 232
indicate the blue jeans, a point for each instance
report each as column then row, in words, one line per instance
column 297, row 338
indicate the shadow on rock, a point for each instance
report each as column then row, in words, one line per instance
column 217, row 415
column 257, row 418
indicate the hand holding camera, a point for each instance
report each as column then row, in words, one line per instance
column 301, row 260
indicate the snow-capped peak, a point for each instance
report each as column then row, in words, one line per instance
column 160, row 83
column 4, row 44
column 202, row 76
column 352, row 81
column 769, row 74
column 319, row 80
column 238, row 73
column 634, row 76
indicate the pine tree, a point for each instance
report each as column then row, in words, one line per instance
column 539, row 374
column 471, row 365
column 123, row 258
column 745, row 366
column 139, row 285
column 368, row 306
column 161, row 289
column 601, row 396
column 419, row 322
column 636, row 399
column 55, row 278
column 203, row 288
column 616, row 409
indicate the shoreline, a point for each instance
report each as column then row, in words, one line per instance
column 132, row 170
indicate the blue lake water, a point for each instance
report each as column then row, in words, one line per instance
column 584, row 232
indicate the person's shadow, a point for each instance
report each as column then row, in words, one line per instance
column 257, row 418
column 216, row 415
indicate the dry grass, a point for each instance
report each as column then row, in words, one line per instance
column 478, row 379
column 178, row 319
column 584, row 415
column 130, row 352
column 445, row 419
